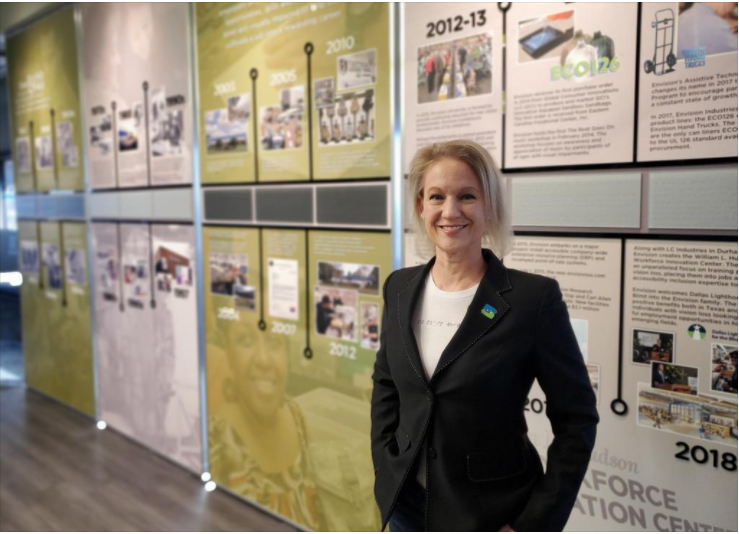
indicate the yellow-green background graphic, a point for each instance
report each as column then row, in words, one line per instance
column 42, row 68
column 289, row 432
column 350, row 73
column 55, row 304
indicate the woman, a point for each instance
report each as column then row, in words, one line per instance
column 461, row 342
column 258, row 439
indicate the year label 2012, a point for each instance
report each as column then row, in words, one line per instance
column 456, row 24
column 343, row 351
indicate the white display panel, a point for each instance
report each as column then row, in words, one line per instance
column 453, row 75
column 688, row 81
column 570, row 83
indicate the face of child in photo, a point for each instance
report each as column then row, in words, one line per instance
column 259, row 362
column 452, row 206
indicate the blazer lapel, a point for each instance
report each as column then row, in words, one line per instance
column 407, row 300
column 485, row 311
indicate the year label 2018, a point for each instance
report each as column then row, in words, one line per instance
column 700, row 455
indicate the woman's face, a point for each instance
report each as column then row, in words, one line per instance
column 259, row 362
column 452, row 206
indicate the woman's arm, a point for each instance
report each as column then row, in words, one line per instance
column 385, row 400
column 561, row 372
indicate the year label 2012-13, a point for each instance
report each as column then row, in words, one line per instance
column 457, row 23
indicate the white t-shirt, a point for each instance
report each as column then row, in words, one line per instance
column 437, row 317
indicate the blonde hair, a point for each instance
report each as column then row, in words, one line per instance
column 497, row 234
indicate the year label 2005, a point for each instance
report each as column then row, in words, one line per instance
column 456, row 24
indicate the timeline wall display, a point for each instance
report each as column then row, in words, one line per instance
column 570, row 84
column 294, row 91
column 56, row 312
column 301, row 354
column 146, row 335
column 678, row 360
column 44, row 99
column 688, row 81
column 137, row 93
column 453, row 75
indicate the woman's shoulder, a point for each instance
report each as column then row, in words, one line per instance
column 534, row 285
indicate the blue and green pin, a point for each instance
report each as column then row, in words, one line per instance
column 488, row 311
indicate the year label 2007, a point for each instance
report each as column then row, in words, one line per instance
column 456, row 24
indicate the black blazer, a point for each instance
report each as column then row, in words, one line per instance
column 482, row 470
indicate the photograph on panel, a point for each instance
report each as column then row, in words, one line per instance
column 696, row 416
column 705, row 29
column 723, row 368
column 74, row 265
column 171, row 270
column 108, row 273
column 673, row 377
column 44, row 153
column 28, row 257
column 370, row 326
column 65, row 144
column 167, row 124
column 356, row 70
column 546, row 37
column 22, row 155
column 349, row 119
column 131, row 128
column 226, row 129
column 229, row 275
column 455, row 69
column 53, row 265
column 101, row 133
column 362, row 277
column 281, row 126
column 136, row 275
column 580, row 328
column 594, row 374
column 336, row 312
column 649, row 346
column 283, row 287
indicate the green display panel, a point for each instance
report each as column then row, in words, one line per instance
column 270, row 74
column 289, row 368
column 56, row 312
column 44, row 103
column 32, row 297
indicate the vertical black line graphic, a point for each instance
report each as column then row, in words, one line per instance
column 40, row 255
column 308, row 48
column 618, row 405
column 307, row 352
column 145, row 86
column 504, row 7
column 34, row 171
column 637, row 81
column 63, row 264
column 153, row 301
column 114, row 138
column 254, row 74
column 119, row 267
column 262, row 325
column 52, row 115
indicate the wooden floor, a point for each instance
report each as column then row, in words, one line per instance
column 58, row 472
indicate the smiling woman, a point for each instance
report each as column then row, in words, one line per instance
column 462, row 340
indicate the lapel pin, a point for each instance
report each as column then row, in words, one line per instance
column 488, row 311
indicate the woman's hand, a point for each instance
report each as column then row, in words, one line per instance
column 506, row 528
